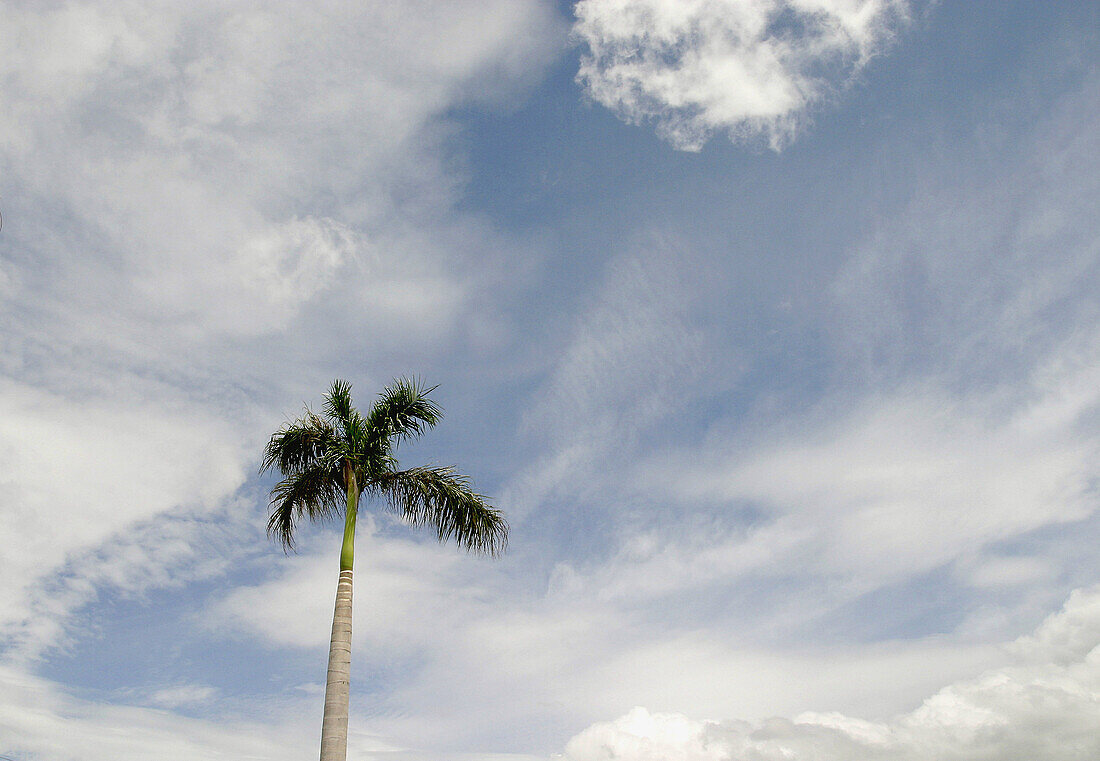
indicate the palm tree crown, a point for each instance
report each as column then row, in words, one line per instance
column 329, row 460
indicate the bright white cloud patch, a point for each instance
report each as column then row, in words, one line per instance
column 1043, row 707
column 750, row 68
column 182, row 695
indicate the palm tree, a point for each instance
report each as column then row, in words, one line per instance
column 328, row 462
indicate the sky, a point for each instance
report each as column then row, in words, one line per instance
column 771, row 325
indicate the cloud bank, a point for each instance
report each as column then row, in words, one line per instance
column 751, row 69
column 1043, row 707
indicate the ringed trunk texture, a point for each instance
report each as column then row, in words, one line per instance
column 334, row 728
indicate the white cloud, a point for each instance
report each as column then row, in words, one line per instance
column 205, row 207
column 962, row 405
column 196, row 195
column 1014, row 571
column 783, row 522
column 645, row 737
column 233, row 161
column 895, row 488
column 749, row 68
column 78, row 475
column 628, row 352
column 216, row 195
column 913, row 482
column 183, row 694
column 405, row 591
column 1043, row 707
column 467, row 643
column 39, row 720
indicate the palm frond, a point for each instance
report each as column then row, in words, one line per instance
column 338, row 404
column 315, row 492
column 341, row 411
column 300, row 445
column 317, row 453
column 403, row 410
column 443, row 499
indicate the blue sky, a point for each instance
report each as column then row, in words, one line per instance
column 771, row 324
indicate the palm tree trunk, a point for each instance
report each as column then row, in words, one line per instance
column 334, row 726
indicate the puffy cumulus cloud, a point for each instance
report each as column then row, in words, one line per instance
column 646, row 737
column 1043, row 707
column 750, row 68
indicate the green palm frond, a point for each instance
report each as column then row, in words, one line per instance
column 317, row 453
column 300, row 445
column 338, row 404
column 403, row 410
column 443, row 499
column 315, row 493
column 342, row 412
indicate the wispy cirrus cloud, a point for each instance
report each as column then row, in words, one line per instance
column 915, row 481
column 631, row 358
column 182, row 695
column 38, row 717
